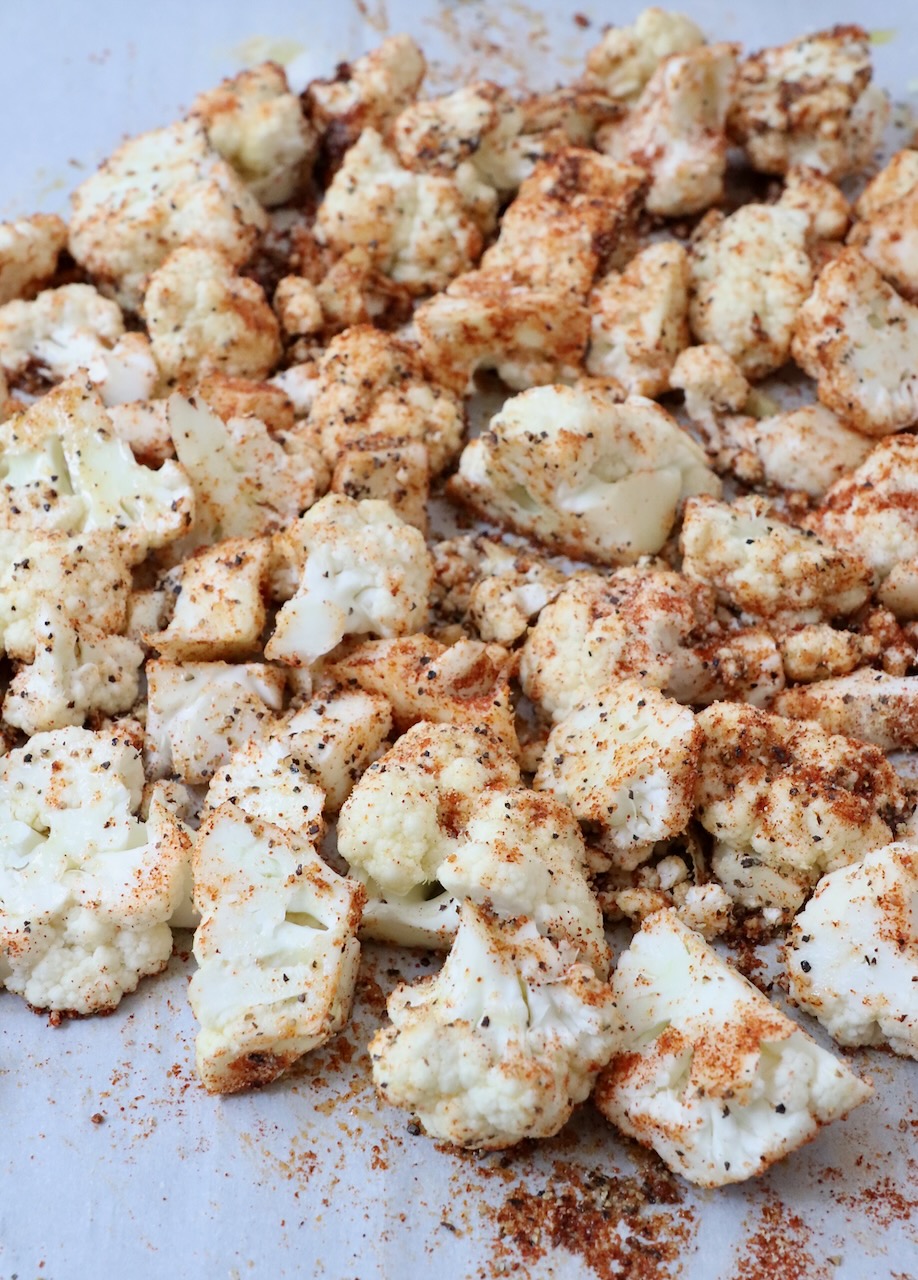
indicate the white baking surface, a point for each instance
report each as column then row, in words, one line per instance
column 309, row 1177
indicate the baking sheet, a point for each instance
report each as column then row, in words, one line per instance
column 116, row 1162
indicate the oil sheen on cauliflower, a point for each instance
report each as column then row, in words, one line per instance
column 706, row 1071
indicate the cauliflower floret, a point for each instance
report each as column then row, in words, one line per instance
column 766, row 568
column 810, row 102
column 87, row 888
column 586, row 477
column 713, row 385
column 219, row 610
column 741, row 666
column 866, row 704
column 143, row 425
column 640, row 320
column 298, row 307
column 77, row 671
column 852, row 954
column 203, row 316
column 899, row 592
column 277, row 950
column 29, row 249
column 887, row 233
column 59, row 332
column 626, row 761
column 366, row 572
column 335, row 737
column 414, row 225
column 706, row 1071
column 750, row 274
column 818, row 651
column 199, row 713
column 859, row 339
column 257, row 125
column 247, row 398
column 626, row 57
column 404, row 816
column 825, row 207
column 676, row 130
column 786, row 802
column 500, row 1045
column 391, row 469
column 156, row 192
column 265, row 778
column 805, row 450
column 369, row 92
column 371, row 384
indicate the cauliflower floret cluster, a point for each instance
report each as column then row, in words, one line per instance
column 713, row 385
column 887, row 228
column 867, row 704
column 393, row 469
column 335, row 737
column 626, row 57
column 59, row 332
column 267, row 779
column 29, row 250
column 806, row 450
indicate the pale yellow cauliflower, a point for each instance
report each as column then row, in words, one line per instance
column 29, row 250
column 626, row 57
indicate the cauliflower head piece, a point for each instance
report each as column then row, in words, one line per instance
column 59, row 332
column 626, row 57
column 29, row 250
column 335, row 736
column 805, row 450
column 887, row 228
column 867, row 704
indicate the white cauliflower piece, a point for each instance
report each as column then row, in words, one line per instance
column 640, row 320
column 156, row 192
column 203, row 316
column 706, row 1071
column 676, row 129
column 899, row 592
column 499, row 589
column 144, row 426
column 750, row 275
column 298, row 307
column 586, row 477
column 766, row 568
column 414, row 225
column 810, row 102
column 818, row 651
column 371, row 384
column 277, row 950
column 713, row 385
column 257, row 125
column 741, row 666
column 626, row 57
column 858, row 339
column 267, row 779
column 851, row 956
column 370, row 92
column 804, row 450
column 59, row 332
column 500, row 1045
column 785, row 802
column 366, row 572
column 126, row 374
column 335, row 737
column 199, row 713
column 887, row 230
column 29, row 249
column 390, row 469
column 866, row 704
column 231, row 397
column 626, row 761
column 819, row 200
column 87, row 887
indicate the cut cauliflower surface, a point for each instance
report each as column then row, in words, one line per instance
column 676, row 130
column 626, row 57
column 640, row 320
column 203, row 316
column 335, row 736
column 706, row 1071
column 199, row 713
column 744, row 665
column 713, row 385
column 500, row 1045
column 887, row 230
column 267, row 779
column 822, row 203
column 810, row 102
column 29, row 250
column 866, row 704
column 391, row 469
column 626, row 761
column 59, row 332
column 367, row 572
column 87, row 887
column 750, row 275
column 404, row 816
column 369, row 92
column 143, row 425
column 818, row 651
column 258, row 126
column 766, row 568
column 787, row 801
column 277, row 950
column 371, row 384
column 415, row 226
column 586, row 477
column 858, row 339
column 231, row 397
column 156, row 192
column 804, row 450
column 852, row 953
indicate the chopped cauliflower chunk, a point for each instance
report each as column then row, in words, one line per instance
column 277, row 950
column 866, row 704
column 267, row 779
column 822, row 203
column 586, row 477
column 706, row 1071
column 387, row 468
column 298, row 307
column 744, row 666
column 626, row 57
column 713, row 385
column 247, row 398
column 368, row 92
column 817, row 652
column 805, row 450
column 59, row 332
column 887, row 230
column 335, row 737
column 143, row 425
column 502, row 1044
column 852, row 954
column 29, row 249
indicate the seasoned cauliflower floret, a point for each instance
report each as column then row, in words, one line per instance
column 334, row 738
column 143, row 425
column 87, row 887
column 586, row 477
column 200, row 713
column 766, row 568
column 810, row 102
column 706, row 1071
column 676, row 129
column 231, row 397
column 818, row 651
column 267, row 779
column 866, row 704
column 852, row 954
column 625, row 760
column 626, row 57
column 156, row 192
column 786, row 802
column 887, row 230
column 822, row 203
column 258, row 127
column 859, row 340
column 59, row 332
column 29, row 249
column 368, row 92
column 502, row 1044
column 277, row 950
column 750, row 274
column 805, row 450
column 713, row 384
column 389, row 469
column 743, row 665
